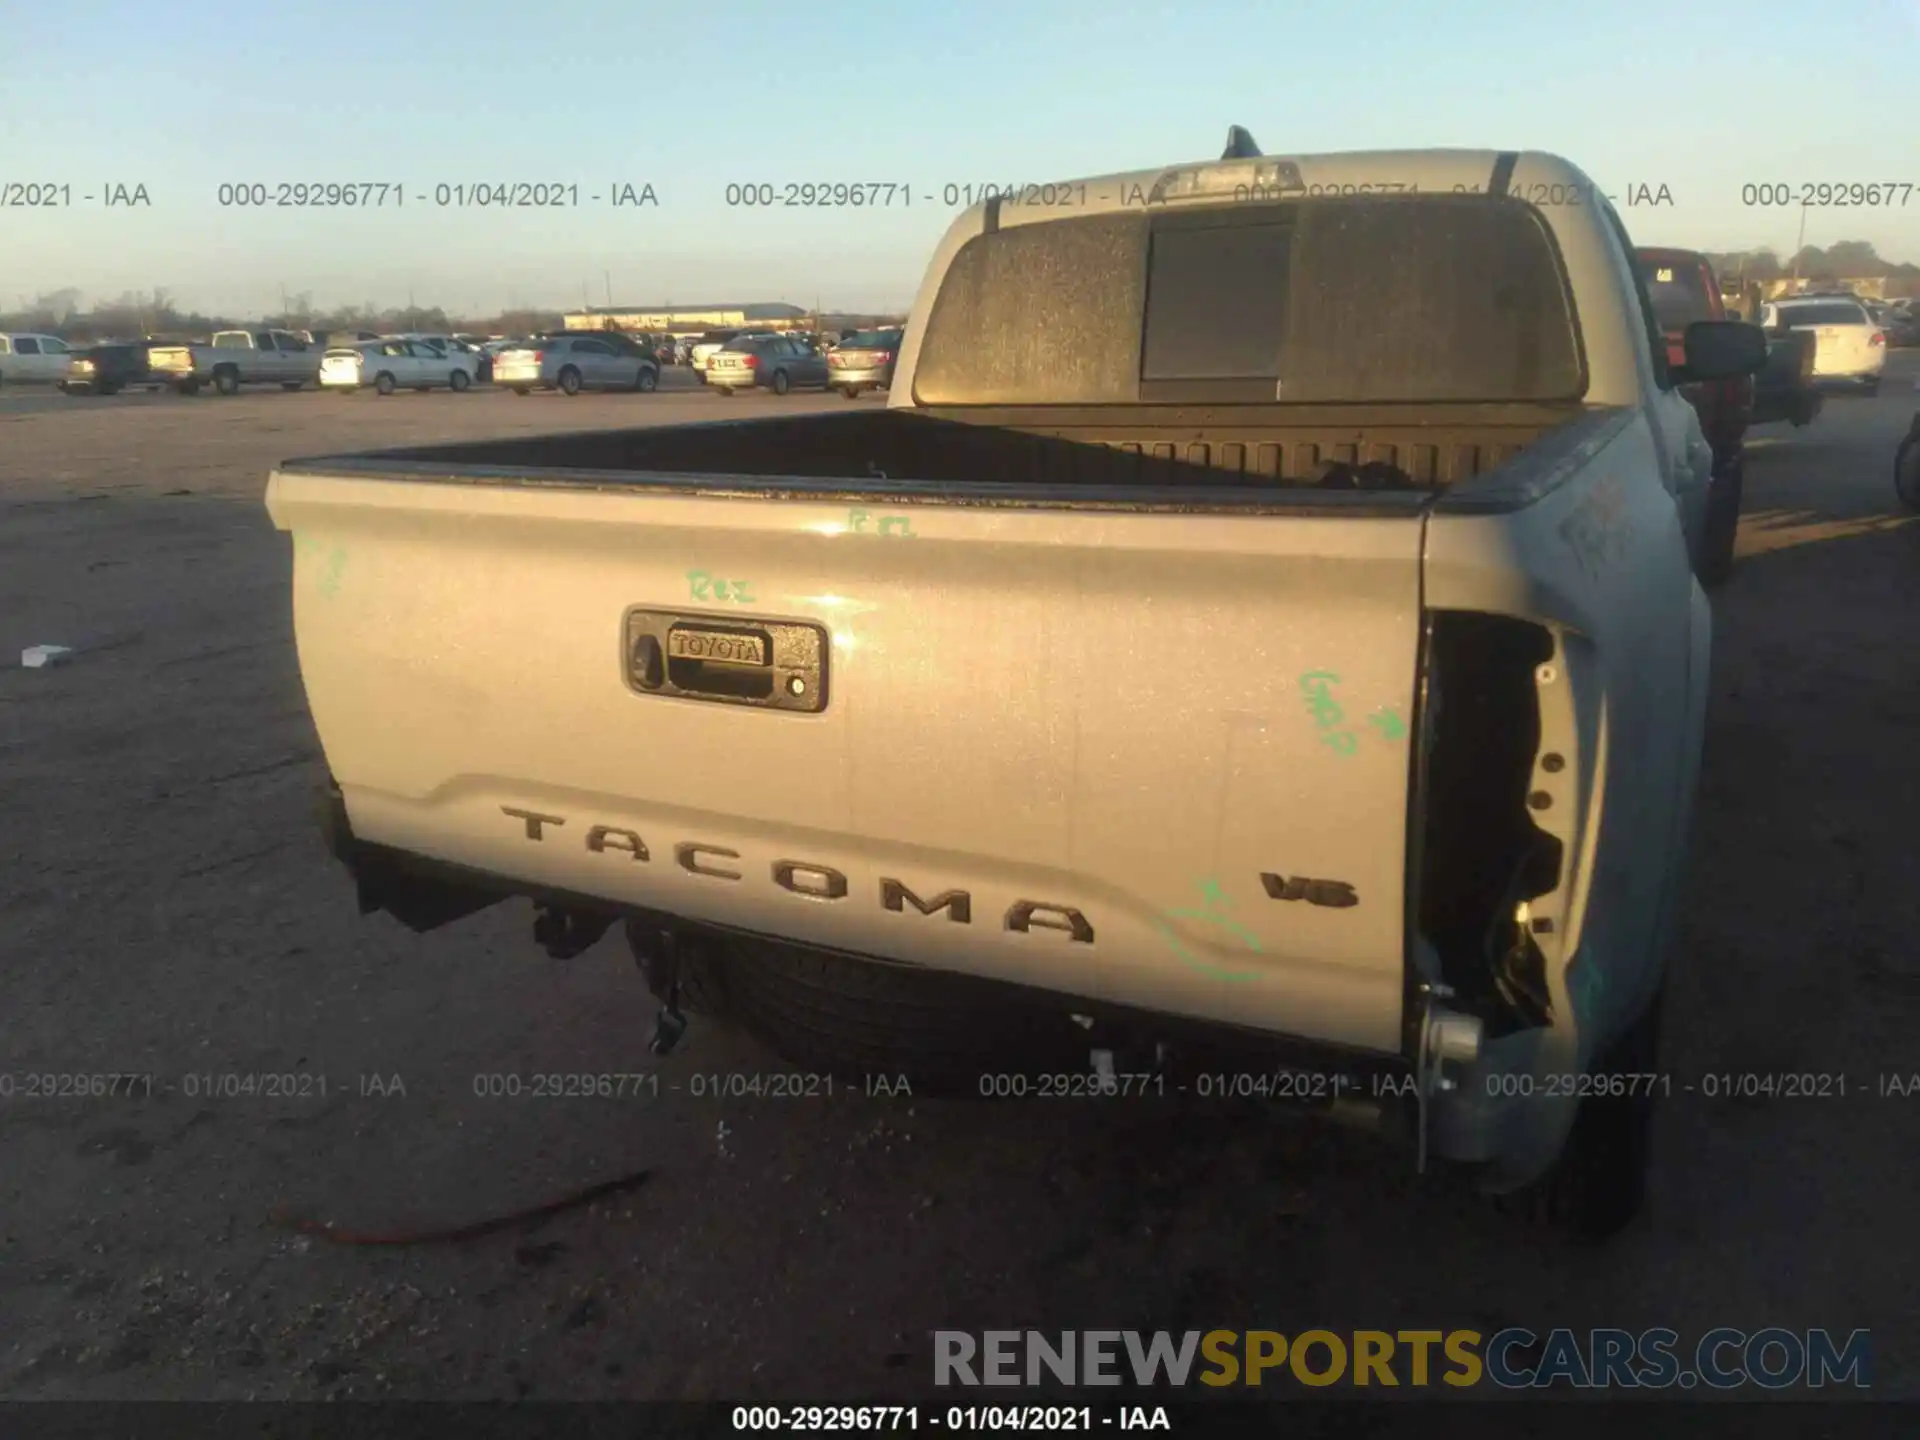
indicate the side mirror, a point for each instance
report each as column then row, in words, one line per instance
column 1721, row 350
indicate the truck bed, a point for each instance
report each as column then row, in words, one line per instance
column 1133, row 454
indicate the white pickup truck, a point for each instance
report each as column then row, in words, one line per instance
column 233, row 358
column 1262, row 622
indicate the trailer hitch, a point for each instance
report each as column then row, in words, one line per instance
column 563, row 934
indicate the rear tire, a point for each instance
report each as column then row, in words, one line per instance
column 1599, row 1182
column 781, row 382
column 569, row 381
column 458, row 381
column 648, row 380
column 226, row 382
column 187, row 387
column 723, row 391
column 384, row 383
column 833, row 1014
column 852, row 392
column 521, row 390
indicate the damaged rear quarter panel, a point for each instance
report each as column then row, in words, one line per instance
column 1601, row 563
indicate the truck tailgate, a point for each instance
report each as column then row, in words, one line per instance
column 1146, row 757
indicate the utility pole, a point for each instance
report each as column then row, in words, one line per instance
column 607, row 275
column 1798, row 246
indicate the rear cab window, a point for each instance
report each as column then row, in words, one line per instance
column 1823, row 312
column 1679, row 291
column 1362, row 300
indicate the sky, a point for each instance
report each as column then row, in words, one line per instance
column 1704, row 98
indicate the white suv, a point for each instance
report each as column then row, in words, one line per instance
column 1849, row 345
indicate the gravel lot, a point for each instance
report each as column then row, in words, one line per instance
column 166, row 908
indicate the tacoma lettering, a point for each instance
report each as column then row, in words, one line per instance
column 604, row 837
column 816, row 882
column 895, row 896
column 689, row 854
column 813, row 881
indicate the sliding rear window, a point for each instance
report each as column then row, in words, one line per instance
column 1366, row 300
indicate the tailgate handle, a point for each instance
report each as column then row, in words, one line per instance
column 769, row 664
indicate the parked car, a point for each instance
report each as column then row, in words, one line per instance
column 772, row 362
column 395, row 364
column 1849, row 348
column 1406, row 819
column 704, row 348
column 1684, row 290
column 1902, row 324
column 234, row 358
column 572, row 363
column 863, row 360
column 455, row 347
column 27, row 358
column 110, row 368
column 623, row 342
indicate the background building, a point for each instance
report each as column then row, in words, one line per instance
column 768, row 315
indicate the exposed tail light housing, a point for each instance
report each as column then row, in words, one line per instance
column 752, row 362
column 1879, row 338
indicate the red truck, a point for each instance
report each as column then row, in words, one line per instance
column 1684, row 289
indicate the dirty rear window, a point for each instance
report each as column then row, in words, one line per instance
column 1367, row 300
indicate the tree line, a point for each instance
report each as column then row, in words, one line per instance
column 136, row 315
column 1843, row 260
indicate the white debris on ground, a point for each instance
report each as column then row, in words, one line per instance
column 38, row 657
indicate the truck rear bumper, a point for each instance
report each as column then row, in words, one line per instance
column 1353, row 1086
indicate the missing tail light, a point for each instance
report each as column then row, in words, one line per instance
column 1478, row 858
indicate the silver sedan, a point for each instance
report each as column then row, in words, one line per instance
column 569, row 365
column 773, row 362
